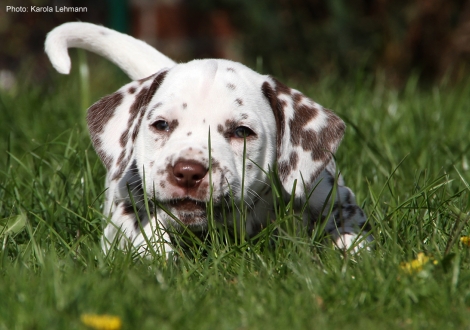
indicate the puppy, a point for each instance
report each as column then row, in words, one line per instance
column 182, row 135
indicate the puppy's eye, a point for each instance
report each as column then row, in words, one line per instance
column 243, row 132
column 161, row 125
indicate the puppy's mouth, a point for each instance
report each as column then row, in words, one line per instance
column 187, row 205
column 189, row 211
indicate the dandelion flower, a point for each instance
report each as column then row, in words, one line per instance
column 416, row 265
column 101, row 322
column 465, row 240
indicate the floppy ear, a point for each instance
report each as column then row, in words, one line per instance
column 114, row 122
column 307, row 135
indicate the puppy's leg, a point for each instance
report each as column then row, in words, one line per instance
column 347, row 221
column 125, row 230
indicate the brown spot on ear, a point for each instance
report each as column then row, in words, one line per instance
column 319, row 143
column 100, row 112
column 97, row 117
column 185, row 105
column 230, row 69
column 278, row 110
column 189, row 133
column 239, row 102
column 131, row 90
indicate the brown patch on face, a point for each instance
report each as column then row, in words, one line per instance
column 173, row 124
column 231, row 86
column 220, row 129
column 189, row 133
column 141, row 81
column 136, row 110
column 239, row 102
column 185, row 105
column 131, row 90
column 121, row 157
column 230, row 69
column 136, row 113
column 124, row 137
column 230, row 125
column 244, row 116
column 150, row 114
column 162, row 184
column 122, row 163
column 142, row 100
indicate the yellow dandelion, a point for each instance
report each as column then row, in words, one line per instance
column 101, row 322
column 416, row 265
column 465, row 240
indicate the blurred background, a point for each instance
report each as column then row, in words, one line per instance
column 301, row 39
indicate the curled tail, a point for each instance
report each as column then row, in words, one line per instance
column 136, row 58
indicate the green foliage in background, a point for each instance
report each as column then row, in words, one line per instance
column 311, row 39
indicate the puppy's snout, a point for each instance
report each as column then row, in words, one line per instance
column 189, row 174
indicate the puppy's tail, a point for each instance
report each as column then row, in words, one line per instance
column 136, row 58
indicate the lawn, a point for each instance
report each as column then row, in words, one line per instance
column 405, row 155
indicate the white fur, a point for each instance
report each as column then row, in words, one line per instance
column 121, row 49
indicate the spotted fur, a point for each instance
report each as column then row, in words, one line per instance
column 152, row 136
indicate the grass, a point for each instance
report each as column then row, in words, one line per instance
column 405, row 155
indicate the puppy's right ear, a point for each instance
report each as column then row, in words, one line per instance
column 114, row 122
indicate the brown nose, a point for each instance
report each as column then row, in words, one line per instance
column 189, row 174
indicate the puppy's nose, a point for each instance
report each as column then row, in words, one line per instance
column 189, row 174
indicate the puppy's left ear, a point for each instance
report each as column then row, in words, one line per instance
column 307, row 135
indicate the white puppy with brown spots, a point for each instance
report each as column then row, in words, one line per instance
column 153, row 137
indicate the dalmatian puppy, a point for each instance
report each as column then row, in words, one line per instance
column 182, row 135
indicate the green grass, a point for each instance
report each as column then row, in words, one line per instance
column 405, row 155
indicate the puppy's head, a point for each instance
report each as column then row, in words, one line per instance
column 207, row 128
